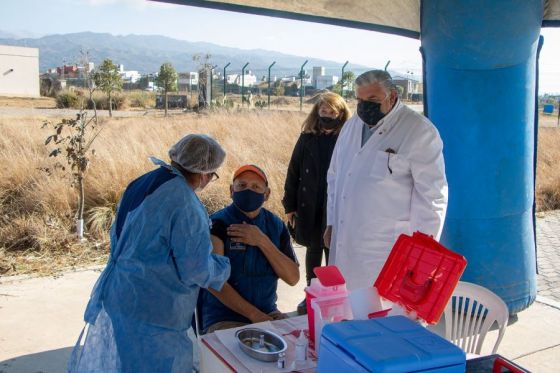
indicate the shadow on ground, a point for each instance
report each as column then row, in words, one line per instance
column 56, row 361
column 53, row 361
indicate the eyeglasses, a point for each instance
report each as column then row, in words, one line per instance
column 214, row 176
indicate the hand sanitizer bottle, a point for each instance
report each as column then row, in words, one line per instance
column 301, row 347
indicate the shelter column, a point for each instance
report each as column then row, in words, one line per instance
column 480, row 66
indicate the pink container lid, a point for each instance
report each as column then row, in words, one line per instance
column 329, row 282
column 329, row 276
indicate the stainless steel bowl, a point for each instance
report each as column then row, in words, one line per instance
column 261, row 344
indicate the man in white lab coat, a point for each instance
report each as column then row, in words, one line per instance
column 386, row 177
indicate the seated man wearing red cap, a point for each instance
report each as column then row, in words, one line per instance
column 258, row 246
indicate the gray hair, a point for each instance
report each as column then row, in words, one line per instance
column 376, row 76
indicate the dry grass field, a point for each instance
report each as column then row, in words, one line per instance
column 548, row 169
column 36, row 210
column 138, row 99
column 28, row 102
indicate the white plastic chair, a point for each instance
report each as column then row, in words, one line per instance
column 470, row 313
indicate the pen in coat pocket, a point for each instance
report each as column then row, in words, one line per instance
column 389, row 151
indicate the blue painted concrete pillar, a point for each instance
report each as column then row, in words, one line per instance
column 480, row 61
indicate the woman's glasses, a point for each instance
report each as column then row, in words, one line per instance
column 214, row 176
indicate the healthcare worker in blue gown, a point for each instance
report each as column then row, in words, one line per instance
column 142, row 304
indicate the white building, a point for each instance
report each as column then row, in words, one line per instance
column 131, row 76
column 82, row 70
column 190, row 77
column 307, row 80
column 409, row 86
column 326, row 81
column 317, row 72
column 249, row 79
column 128, row 76
column 288, row 79
column 185, row 80
column 151, row 87
column 19, row 71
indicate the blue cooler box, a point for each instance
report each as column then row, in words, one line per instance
column 388, row 344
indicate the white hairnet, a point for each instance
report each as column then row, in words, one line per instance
column 197, row 153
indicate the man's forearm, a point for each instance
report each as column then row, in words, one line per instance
column 284, row 267
column 235, row 302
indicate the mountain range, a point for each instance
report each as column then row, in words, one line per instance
column 146, row 53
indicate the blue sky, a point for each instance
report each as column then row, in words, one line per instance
column 37, row 18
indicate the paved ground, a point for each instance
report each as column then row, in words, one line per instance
column 19, row 112
column 40, row 318
column 548, row 255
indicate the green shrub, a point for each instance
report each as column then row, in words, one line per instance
column 223, row 104
column 67, row 100
column 261, row 104
column 100, row 101
column 120, row 101
column 141, row 99
column 49, row 86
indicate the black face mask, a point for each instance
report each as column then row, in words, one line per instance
column 370, row 112
column 327, row 123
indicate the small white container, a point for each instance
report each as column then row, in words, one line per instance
column 365, row 302
column 327, row 310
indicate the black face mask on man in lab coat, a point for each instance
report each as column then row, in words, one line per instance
column 370, row 112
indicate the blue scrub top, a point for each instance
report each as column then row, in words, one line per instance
column 142, row 304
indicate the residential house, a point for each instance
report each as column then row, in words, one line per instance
column 325, row 81
column 411, row 88
column 187, row 80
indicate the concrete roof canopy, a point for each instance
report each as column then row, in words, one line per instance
column 401, row 17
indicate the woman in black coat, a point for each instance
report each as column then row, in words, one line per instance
column 305, row 191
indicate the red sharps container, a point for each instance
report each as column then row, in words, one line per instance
column 329, row 283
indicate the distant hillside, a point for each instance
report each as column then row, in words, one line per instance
column 146, row 53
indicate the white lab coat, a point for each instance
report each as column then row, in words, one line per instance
column 368, row 206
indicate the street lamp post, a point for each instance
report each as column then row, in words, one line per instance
column 387, row 65
column 342, row 79
column 212, row 81
column 190, row 83
column 63, row 68
column 243, row 84
column 225, row 79
column 301, row 87
column 270, row 67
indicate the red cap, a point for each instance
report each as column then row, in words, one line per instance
column 250, row 168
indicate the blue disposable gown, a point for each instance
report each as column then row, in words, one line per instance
column 143, row 302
